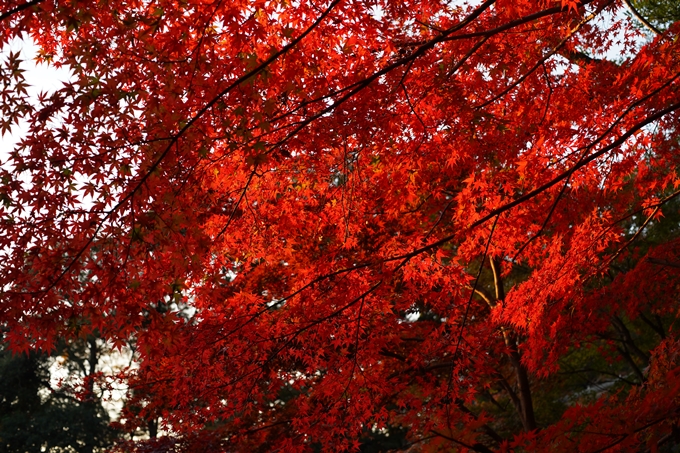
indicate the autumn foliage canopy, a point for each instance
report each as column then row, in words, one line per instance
column 327, row 224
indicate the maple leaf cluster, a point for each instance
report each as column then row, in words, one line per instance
column 323, row 222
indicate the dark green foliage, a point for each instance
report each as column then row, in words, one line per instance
column 391, row 439
column 36, row 418
column 661, row 13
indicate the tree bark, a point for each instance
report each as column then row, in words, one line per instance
column 526, row 406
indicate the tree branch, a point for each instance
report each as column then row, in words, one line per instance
column 476, row 447
column 21, row 7
column 639, row 17
column 526, row 405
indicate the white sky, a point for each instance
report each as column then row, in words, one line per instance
column 39, row 77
